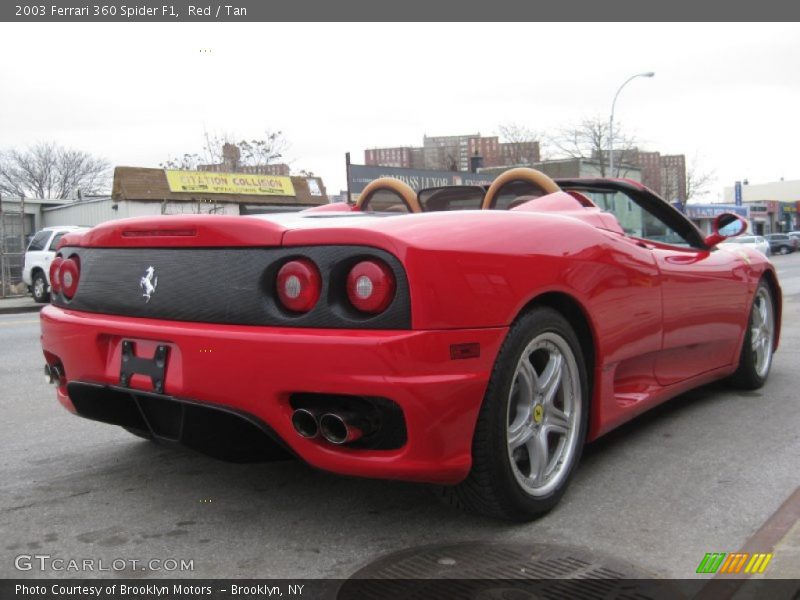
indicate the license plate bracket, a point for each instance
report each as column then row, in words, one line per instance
column 155, row 368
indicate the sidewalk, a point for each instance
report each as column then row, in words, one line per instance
column 21, row 304
column 786, row 561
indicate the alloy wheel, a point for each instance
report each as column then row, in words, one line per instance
column 544, row 414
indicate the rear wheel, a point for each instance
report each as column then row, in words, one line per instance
column 759, row 341
column 532, row 424
column 39, row 288
column 784, row 250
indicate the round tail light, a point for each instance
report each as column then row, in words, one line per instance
column 370, row 286
column 68, row 276
column 55, row 275
column 299, row 285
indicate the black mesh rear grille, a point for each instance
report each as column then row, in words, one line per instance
column 227, row 285
column 213, row 430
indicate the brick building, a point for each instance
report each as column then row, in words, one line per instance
column 231, row 157
column 664, row 174
column 453, row 152
column 673, row 177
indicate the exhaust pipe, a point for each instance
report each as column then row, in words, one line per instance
column 342, row 428
column 305, row 423
column 52, row 374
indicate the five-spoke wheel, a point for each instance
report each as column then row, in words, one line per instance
column 544, row 409
column 755, row 359
column 532, row 424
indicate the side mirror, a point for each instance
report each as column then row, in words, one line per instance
column 726, row 225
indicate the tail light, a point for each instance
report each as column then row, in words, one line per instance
column 299, row 285
column 68, row 275
column 55, row 275
column 371, row 286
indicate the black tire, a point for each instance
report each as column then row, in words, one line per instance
column 492, row 487
column 145, row 435
column 747, row 375
column 39, row 288
column 784, row 250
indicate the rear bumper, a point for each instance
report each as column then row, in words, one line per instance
column 255, row 370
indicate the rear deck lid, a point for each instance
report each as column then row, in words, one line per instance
column 181, row 231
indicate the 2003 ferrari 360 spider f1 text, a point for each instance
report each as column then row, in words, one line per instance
column 468, row 337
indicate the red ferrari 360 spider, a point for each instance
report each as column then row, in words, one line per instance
column 468, row 337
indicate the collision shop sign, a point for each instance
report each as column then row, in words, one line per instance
column 207, row 182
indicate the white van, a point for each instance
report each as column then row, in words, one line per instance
column 40, row 253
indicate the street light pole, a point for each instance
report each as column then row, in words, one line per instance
column 611, row 121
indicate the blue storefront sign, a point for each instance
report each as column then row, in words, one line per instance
column 709, row 211
column 737, row 193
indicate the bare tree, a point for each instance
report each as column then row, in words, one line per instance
column 698, row 180
column 451, row 161
column 251, row 153
column 264, row 151
column 589, row 139
column 48, row 170
column 522, row 144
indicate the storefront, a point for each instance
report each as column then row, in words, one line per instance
column 703, row 215
column 790, row 216
column 766, row 217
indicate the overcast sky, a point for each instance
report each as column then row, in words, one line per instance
column 138, row 93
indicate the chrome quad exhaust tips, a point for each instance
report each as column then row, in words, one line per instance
column 306, row 422
column 52, row 374
column 335, row 427
column 340, row 429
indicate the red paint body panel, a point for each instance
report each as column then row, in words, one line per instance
column 255, row 369
column 662, row 319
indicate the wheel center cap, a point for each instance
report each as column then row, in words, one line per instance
column 538, row 414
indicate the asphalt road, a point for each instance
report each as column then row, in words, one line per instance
column 699, row 474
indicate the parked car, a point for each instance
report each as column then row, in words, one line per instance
column 477, row 350
column 38, row 257
column 756, row 242
column 794, row 234
column 782, row 243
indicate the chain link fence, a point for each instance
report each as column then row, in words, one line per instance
column 12, row 248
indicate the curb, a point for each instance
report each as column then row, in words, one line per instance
column 7, row 310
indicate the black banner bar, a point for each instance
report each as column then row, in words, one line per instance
column 390, row 589
column 408, row 10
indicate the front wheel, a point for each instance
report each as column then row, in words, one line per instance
column 755, row 359
column 532, row 425
column 39, row 288
column 784, row 250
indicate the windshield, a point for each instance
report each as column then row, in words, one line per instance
column 451, row 198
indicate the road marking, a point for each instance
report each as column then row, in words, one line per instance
column 12, row 323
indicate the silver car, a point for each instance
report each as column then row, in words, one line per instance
column 753, row 241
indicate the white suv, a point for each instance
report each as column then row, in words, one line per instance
column 40, row 253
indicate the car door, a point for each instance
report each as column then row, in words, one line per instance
column 37, row 251
column 704, row 295
column 704, row 292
